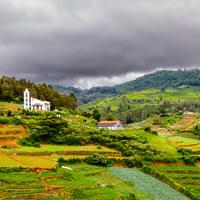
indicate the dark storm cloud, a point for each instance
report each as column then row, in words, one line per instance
column 67, row 40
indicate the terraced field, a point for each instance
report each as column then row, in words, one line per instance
column 183, row 125
column 10, row 106
column 187, row 123
column 187, row 177
column 187, row 143
column 47, row 155
column 82, row 182
column 9, row 134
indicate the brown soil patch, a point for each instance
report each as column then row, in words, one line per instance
column 122, row 165
column 8, row 143
column 188, row 145
column 162, row 130
column 40, row 170
column 182, row 172
column 186, row 123
column 163, row 164
column 10, row 134
column 69, row 153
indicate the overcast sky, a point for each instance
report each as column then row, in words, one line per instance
column 86, row 43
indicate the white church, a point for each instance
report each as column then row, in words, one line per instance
column 31, row 103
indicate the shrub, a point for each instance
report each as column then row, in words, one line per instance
column 28, row 142
column 184, row 151
column 5, row 120
column 190, row 160
column 99, row 160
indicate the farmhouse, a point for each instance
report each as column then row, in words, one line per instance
column 35, row 104
column 113, row 125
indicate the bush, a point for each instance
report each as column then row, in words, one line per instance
column 5, row 120
column 190, row 160
column 28, row 142
column 99, row 160
column 185, row 151
column 149, row 130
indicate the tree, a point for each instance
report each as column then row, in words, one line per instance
column 96, row 115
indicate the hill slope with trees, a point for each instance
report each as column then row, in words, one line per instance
column 158, row 80
column 11, row 90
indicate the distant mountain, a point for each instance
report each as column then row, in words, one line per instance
column 67, row 90
column 158, row 80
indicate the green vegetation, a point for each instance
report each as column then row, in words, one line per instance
column 148, row 184
column 82, row 182
column 63, row 155
column 48, row 148
column 183, row 178
column 137, row 106
column 159, row 80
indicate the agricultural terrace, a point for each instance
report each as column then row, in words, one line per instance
column 174, row 124
column 186, row 143
column 82, row 182
column 183, row 178
column 10, row 133
column 46, row 156
column 5, row 106
column 156, row 141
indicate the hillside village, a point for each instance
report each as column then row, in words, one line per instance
column 62, row 150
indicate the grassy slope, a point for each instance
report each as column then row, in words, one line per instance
column 160, row 143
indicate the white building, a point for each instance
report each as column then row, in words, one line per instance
column 113, row 125
column 35, row 104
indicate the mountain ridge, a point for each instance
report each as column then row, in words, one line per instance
column 161, row 79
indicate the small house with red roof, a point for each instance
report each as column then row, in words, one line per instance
column 112, row 125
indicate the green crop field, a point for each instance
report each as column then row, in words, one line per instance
column 46, row 156
column 83, row 182
column 187, row 177
column 147, row 184
column 186, row 143
column 47, row 148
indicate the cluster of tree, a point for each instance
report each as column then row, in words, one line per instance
column 51, row 129
column 12, row 90
column 129, row 113
column 158, row 80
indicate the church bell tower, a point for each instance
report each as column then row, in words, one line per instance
column 27, row 103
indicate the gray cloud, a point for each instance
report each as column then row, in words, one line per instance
column 68, row 41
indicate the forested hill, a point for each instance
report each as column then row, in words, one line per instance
column 158, row 80
column 12, row 90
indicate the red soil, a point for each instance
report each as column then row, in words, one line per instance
column 9, row 135
column 163, row 164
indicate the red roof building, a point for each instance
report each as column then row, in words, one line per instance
column 113, row 125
